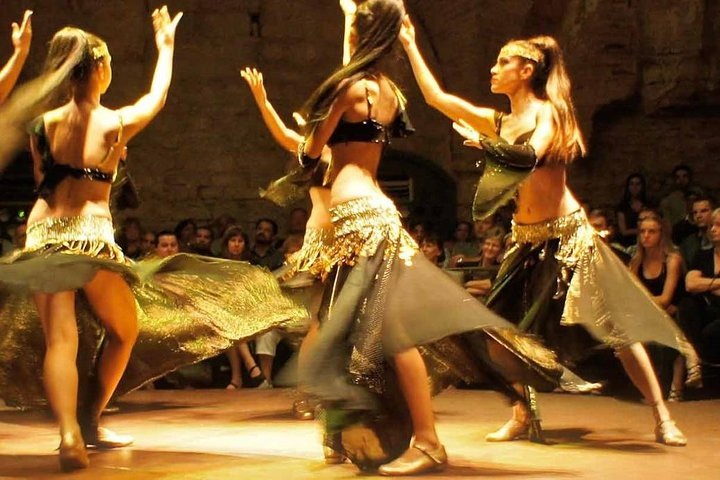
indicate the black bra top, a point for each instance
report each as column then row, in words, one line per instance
column 54, row 172
column 370, row 130
column 520, row 139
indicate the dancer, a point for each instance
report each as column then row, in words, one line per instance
column 559, row 266
column 78, row 276
column 373, row 331
column 309, row 262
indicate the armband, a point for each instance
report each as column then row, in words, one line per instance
column 304, row 159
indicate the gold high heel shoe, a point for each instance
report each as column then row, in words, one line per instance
column 667, row 433
column 694, row 378
column 103, row 438
column 416, row 459
column 73, row 455
column 512, row 430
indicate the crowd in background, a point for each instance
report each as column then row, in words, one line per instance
column 670, row 242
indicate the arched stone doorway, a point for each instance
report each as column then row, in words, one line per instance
column 422, row 191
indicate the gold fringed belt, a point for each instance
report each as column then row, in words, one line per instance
column 83, row 235
column 362, row 224
column 313, row 256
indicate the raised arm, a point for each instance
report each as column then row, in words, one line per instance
column 21, row 36
column 349, row 7
column 136, row 117
column 455, row 108
column 286, row 137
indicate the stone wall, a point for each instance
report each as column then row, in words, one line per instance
column 646, row 76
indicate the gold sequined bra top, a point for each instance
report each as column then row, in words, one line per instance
column 54, row 173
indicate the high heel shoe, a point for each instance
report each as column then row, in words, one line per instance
column 694, row 378
column 416, row 459
column 676, row 395
column 254, row 382
column 667, row 433
column 304, row 409
column 73, row 455
column 512, row 430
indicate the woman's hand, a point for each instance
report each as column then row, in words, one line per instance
column 471, row 136
column 407, row 32
column 22, row 34
column 349, row 7
column 164, row 27
column 254, row 80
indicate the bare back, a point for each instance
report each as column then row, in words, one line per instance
column 81, row 138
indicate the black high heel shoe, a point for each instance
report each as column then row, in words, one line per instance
column 254, row 382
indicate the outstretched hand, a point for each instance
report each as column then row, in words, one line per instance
column 407, row 32
column 254, row 79
column 472, row 136
column 22, row 34
column 164, row 26
column 349, row 7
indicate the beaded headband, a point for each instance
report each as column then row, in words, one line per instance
column 519, row 50
column 99, row 52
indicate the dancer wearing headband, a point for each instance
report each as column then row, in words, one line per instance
column 563, row 274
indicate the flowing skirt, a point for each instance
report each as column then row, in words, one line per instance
column 561, row 276
column 189, row 307
column 384, row 298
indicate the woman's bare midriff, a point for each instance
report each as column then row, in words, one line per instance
column 544, row 196
column 72, row 198
column 319, row 214
column 355, row 172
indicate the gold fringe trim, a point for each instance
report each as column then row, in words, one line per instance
column 361, row 225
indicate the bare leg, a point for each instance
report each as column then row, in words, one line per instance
column 248, row 360
column 234, row 359
column 266, row 364
column 640, row 370
column 114, row 305
column 425, row 453
column 60, row 376
column 678, row 380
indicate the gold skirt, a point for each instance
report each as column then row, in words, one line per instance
column 188, row 307
column 598, row 290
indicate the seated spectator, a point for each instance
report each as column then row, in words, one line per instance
column 203, row 241
column 185, row 233
column 263, row 252
column 19, row 236
column 462, row 244
column 234, row 247
column 418, row 230
column 660, row 268
column 130, row 238
column 703, row 281
column 219, row 225
column 489, row 227
column 167, row 244
column 674, row 204
column 431, row 247
column 634, row 199
column 600, row 221
column 488, row 264
column 702, row 209
column 148, row 244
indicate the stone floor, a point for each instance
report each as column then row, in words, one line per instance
column 249, row 434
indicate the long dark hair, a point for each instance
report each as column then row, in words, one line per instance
column 550, row 81
column 376, row 26
column 627, row 197
column 82, row 49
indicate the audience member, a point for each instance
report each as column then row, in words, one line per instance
column 130, row 238
column 185, row 234
column 674, row 204
column 431, row 247
column 203, row 241
column 634, row 199
column 702, row 209
column 148, row 244
column 167, row 244
column 263, row 252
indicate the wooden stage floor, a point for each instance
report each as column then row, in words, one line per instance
column 250, row 434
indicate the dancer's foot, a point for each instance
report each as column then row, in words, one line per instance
column 694, row 376
column 333, row 457
column 304, row 409
column 676, row 395
column 102, row 438
column 512, row 430
column 73, row 455
column 233, row 385
column 667, row 433
column 416, row 459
